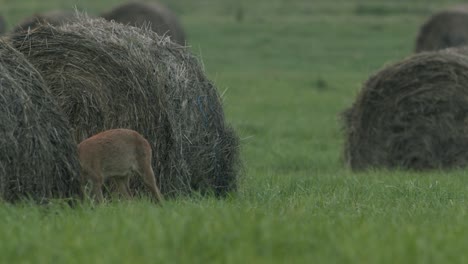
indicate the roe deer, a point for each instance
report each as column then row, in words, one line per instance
column 117, row 154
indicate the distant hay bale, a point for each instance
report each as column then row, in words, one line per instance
column 107, row 75
column 55, row 17
column 3, row 25
column 412, row 115
column 448, row 28
column 38, row 157
column 157, row 16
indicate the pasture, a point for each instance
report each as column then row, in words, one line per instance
column 286, row 70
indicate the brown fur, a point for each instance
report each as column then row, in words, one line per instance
column 117, row 154
column 158, row 17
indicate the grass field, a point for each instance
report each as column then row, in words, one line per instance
column 286, row 70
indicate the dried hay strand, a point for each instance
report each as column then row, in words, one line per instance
column 107, row 75
column 54, row 17
column 155, row 15
column 448, row 28
column 38, row 157
column 411, row 115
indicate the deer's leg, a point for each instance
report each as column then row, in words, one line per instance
column 150, row 181
column 146, row 172
column 96, row 181
column 83, row 181
column 97, row 188
column 122, row 182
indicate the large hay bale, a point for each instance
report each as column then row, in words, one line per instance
column 157, row 16
column 448, row 28
column 107, row 75
column 412, row 115
column 38, row 158
column 55, row 17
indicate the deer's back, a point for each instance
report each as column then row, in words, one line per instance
column 114, row 151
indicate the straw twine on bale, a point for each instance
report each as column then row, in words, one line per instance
column 38, row 157
column 448, row 28
column 158, row 17
column 411, row 115
column 107, row 75
column 55, row 17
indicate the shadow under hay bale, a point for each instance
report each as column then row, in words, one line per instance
column 158, row 17
column 445, row 29
column 107, row 75
column 411, row 115
column 38, row 158
column 55, row 17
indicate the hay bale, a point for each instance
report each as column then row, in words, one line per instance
column 107, row 75
column 411, row 115
column 3, row 25
column 55, row 17
column 448, row 28
column 38, row 158
column 157, row 16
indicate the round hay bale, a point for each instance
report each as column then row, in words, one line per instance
column 155, row 15
column 55, row 17
column 2, row 25
column 38, row 158
column 448, row 28
column 411, row 115
column 107, row 75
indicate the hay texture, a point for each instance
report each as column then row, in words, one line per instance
column 155, row 15
column 448, row 28
column 411, row 115
column 107, row 75
column 55, row 17
column 38, row 157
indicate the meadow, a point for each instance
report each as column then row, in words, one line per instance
column 286, row 70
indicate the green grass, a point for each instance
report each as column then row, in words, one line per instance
column 287, row 70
